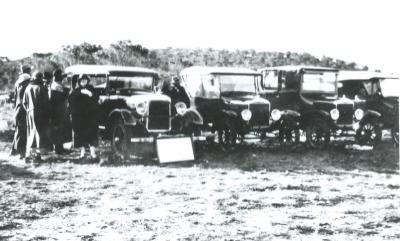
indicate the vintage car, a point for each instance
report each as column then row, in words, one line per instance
column 381, row 95
column 130, row 112
column 228, row 101
column 311, row 92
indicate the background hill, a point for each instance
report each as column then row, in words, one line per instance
column 168, row 61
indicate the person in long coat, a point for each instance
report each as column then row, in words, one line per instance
column 19, row 142
column 58, row 111
column 83, row 102
column 36, row 104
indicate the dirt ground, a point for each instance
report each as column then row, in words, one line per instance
column 258, row 191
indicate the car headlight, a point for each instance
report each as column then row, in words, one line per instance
column 335, row 114
column 359, row 114
column 141, row 108
column 246, row 114
column 180, row 108
column 276, row 114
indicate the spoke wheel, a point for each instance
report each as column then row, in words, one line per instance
column 369, row 133
column 289, row 133
column 120, row 138
column 227, row 137
column 318, row 134
column 289, row 136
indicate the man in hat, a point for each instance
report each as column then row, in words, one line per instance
column 36, row 104
column 177, row 93
column 58, row 111
column 47, row 78
column 19, row 142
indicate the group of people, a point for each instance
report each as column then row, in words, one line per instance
column 45, row 110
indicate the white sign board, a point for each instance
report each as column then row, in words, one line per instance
column 175, row 149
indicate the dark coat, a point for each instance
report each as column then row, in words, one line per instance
column 19, row 142
column 58, row 114
column 84, row 112
column 178, row 94
column 36, row 104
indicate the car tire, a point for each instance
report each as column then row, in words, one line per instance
column 369, row 133
column 227, row 137
column 120, row 138
column 289, row 134
column 318, row 134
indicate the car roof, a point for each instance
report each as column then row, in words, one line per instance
column 346, row 75
column 297, row 68
column 104, row 69
column 204, row 70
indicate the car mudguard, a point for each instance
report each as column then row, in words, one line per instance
column 123, row 114
column 308, row 116
column 193, row 116
column 290, row 113
column 369, row 115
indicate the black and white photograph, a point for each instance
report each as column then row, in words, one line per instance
column 199, row 120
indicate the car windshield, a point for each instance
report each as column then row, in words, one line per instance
column 390, row 87
column 319, row 82
column 136, row 82
column 237, row 83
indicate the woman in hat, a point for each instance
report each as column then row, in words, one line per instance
column 36, row 104
column 83, row 103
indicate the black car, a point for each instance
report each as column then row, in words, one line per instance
column 131, row 112
column 311, row 93
column 228, row 101
column 380, row 93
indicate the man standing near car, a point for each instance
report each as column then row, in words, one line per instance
column 36, row 104
column 19, row 142
column 58, row 111
column 177, row 93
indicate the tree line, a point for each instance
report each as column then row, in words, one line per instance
column 168, row 61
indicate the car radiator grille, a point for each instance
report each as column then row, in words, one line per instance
column 260, row 114
column 346, row 113
column 159, row 115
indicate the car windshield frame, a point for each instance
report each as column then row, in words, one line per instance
column 319, row 90
column 223, row 82
column 147, row 81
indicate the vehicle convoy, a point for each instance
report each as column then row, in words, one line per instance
column 130, row 112
column 380, row 93
column 228, row 101
column 311, row 95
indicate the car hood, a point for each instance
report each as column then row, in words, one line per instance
column 133, row 100
column 245, row 100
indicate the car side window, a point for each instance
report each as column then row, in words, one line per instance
column 270, row 79
column 211, row 86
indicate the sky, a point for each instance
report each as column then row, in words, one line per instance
column 366, row 32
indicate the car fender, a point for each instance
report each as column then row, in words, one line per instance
column 369, row 115
column 225, row 118
column 290, row 113
column 193, row 116
column 308, row 116
column 123, row 114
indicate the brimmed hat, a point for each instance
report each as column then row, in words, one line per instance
column 37, row 76
column 59, row 73
column 26, row 69
column 83, row 76
column 47, row 75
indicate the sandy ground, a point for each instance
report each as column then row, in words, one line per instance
column 258, row 191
